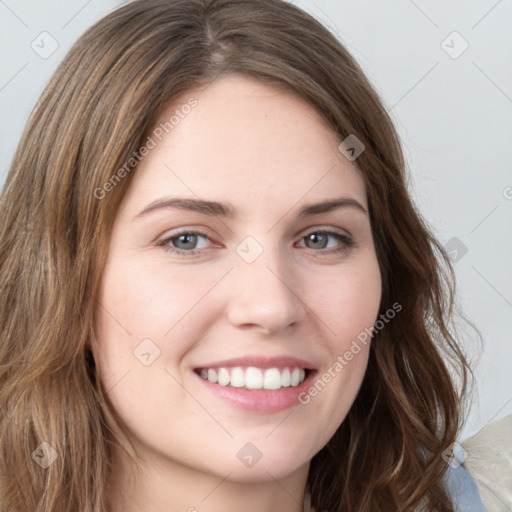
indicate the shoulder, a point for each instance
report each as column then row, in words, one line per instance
column 460, row 486
column 488, row 458
column 463, row 490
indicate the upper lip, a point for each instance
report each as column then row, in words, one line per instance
column 261, row 362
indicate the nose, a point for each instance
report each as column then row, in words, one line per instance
column 265, row 294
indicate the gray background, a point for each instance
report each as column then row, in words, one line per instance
column 451, row 107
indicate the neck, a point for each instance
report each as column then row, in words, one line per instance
column 158, row 485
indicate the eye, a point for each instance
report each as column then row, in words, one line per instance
column 184, row 242
column 319, row 239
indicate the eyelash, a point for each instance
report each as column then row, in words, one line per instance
column 347, row 242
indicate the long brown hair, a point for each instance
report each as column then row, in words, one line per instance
column 56, row 217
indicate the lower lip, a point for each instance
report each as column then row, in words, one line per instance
column 260, row 400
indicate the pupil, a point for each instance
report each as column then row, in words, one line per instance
column 184, row 237
column 315, row 237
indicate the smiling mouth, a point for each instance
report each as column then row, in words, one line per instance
column 254, row 378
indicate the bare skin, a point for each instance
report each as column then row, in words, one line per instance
column 268, row 154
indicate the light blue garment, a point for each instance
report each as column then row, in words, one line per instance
column 463, row 490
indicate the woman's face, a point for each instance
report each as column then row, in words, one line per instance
column 250, row 278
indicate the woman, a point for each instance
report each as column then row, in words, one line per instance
column 172, row 338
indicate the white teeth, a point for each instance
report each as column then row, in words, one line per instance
column 254, row 378
column 272, row 379
column 237, row 378
column 286, row 377
column 223, row 377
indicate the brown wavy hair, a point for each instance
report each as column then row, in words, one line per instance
column 54, row 234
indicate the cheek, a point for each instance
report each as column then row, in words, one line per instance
column 148, row 302
column 176, row 306
column 346, row 303
column 347, row 300
column 144, row 302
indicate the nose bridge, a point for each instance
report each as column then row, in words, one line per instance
column 263, row 292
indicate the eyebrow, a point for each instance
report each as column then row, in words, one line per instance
column 215, row 208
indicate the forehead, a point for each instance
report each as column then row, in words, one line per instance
column 245, row 142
